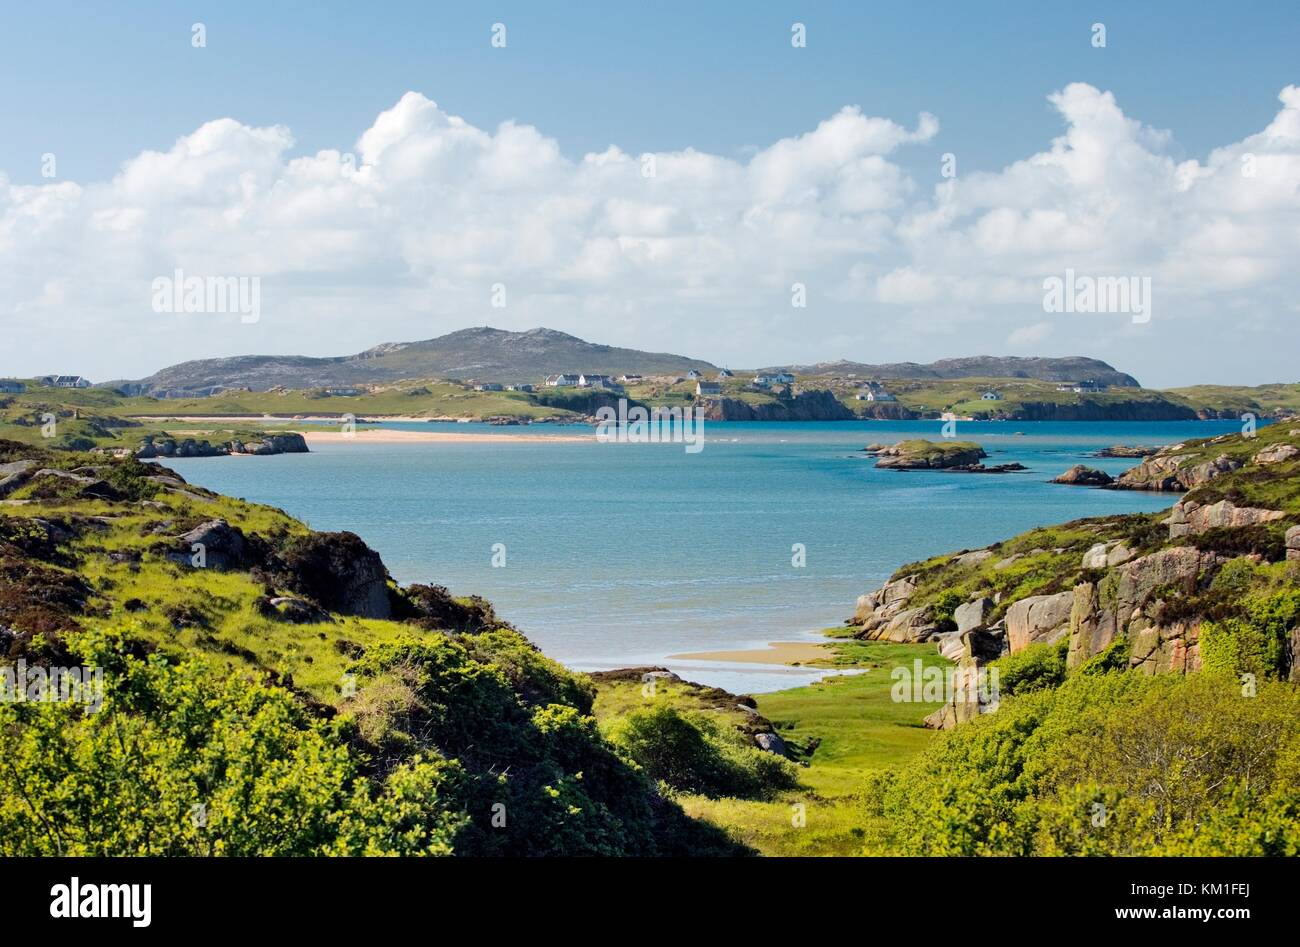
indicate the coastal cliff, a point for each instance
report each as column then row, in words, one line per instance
column 805, row 406
column 1150, row 592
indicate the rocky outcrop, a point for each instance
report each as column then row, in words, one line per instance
column 884, row 603
column 1106, row 555
column 1277, row 454
column 338, row 571
column 1165, row 472
column 1125, row 603
column 65, row 483
column 1190, row 519
column 14, row 475
column 213, row 545
column 1293, row 544
column 281, row 443
column 1038, row 619
column 1080, row 475
column 1123, row 450
column 818, row 405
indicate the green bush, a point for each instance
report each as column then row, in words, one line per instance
column 688, row 753
column 1108, row 763
column 1037, row 667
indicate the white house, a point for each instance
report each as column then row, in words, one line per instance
column 595, row 381
column 693, row 375
column 630, row 379
column 488, row 386
column 562, row 380
column 783, row 378
column 708, row 388
column 762, row 381
column 64, row 381
column 874, row 394
column 725, row 373
column 521, row 388
column 991, row 396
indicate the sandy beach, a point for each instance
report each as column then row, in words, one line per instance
column 777, row 652
column 383, row 436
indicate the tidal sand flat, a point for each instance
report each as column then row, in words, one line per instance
column 390, row 436
column 777, row 652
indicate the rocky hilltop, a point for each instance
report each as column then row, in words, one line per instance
column 482, row 353
column 1215, row 580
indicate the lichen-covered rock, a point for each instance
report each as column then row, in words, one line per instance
column 1165, row 472
column 1293, row 543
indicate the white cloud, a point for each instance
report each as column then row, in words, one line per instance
column 403, row 237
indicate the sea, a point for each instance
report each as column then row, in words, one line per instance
column 615, row 555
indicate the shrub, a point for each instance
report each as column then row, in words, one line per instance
column 688, row 753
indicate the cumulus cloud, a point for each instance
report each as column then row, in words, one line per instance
column 404, row 236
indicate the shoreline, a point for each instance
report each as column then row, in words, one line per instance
column 381, row 436
column 786, row 653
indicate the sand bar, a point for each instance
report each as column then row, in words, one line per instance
column 777, row 652
column 383, row 436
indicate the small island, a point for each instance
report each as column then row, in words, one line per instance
column 921, row 454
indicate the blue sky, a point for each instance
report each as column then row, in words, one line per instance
column 103, row 81
column 1062, row 154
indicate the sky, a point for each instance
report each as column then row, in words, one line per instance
column 678, row 177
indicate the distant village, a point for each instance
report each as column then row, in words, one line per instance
column 863, row 390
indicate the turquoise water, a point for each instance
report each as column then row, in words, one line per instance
column 623, row 554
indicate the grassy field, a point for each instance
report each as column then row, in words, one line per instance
column 843, row 728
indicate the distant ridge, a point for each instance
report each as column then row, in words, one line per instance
column 482, row 354
column 495, row 355
column 1071, row 368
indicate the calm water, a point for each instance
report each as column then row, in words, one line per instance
column 622, row 554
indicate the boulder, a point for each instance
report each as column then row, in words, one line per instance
column 1106, row 555
column 338, row 571
column 91, row 488
column 908, row 626
column 1039, row 618
column 1276, row 454
column 971, row 615
column 1293, row 543
column 974, row 557
column 771, row 743
column 1079, row 475
column 296, row 610
column 223, row 547
column 13, row 476
column 883, row 603
column 1190, row 518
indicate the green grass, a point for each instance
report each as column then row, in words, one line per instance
column 843, row 728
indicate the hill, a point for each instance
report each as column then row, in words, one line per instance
column 482, row 354
column 1072, row 369
column 206, row 676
